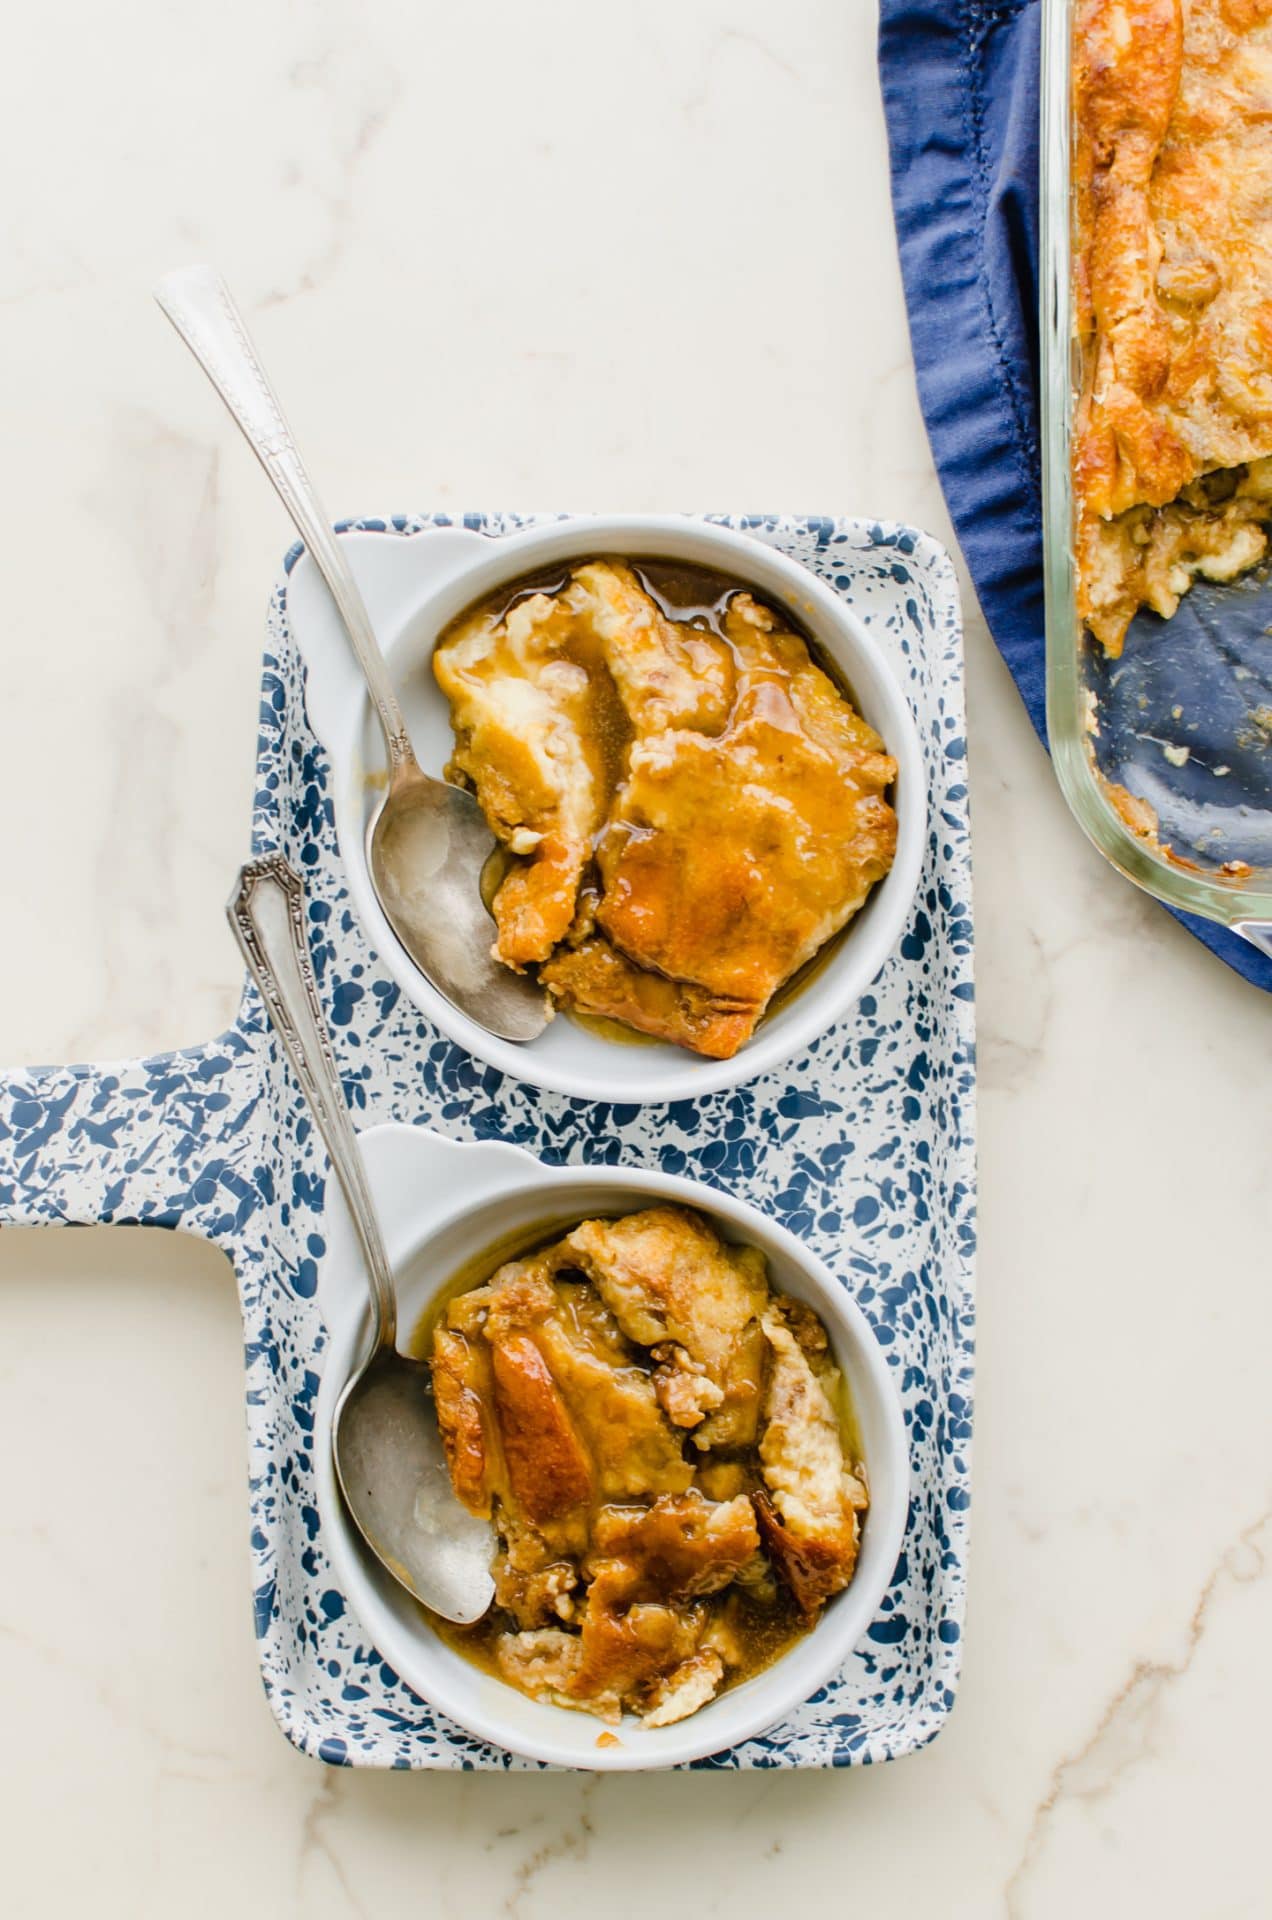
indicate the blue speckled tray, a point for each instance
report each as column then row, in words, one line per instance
column 865, row 1146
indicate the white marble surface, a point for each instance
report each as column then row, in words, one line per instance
column 500, row 255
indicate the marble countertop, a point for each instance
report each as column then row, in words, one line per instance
column 624, row 257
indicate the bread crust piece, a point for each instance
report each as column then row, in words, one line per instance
column 1173, row 285
column 548, row 1471
column 525, row 708
column 685, row 1690
column 570, row 1406
column 672, row 1283
column 731, row 858
column 681, row 1548
column 642, row 1622
column 594, row 978
column 807, row 1510
column 461, row 1388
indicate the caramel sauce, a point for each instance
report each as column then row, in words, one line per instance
column 617, row 1032
column 687, row 594
column 498, row 865
column 804, row 976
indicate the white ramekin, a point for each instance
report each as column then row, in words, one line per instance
column 443, row 1205
column 414, row 587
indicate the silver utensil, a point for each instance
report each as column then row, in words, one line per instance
column 427, row 842
column 386, row 1445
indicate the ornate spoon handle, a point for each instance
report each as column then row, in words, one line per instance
column 200, row 307
column 266, row 912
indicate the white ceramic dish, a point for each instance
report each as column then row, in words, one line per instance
column 444, row 1204
column 414, row 587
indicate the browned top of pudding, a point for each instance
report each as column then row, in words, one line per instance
column 1172, row 445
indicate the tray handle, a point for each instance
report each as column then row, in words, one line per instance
column 162, row 1142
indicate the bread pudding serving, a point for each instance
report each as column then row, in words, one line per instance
column 664, row 1447
column 1172, row 453
column 690, row 806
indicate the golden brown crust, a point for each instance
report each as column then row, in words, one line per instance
column 732, row 857
column 548, row 1471
column 460, row 1384
column 1173, row 291
column 626, row 1649
column 674, row 1286
column 595, row 979
column 812, row 1568
column 681, row 1548
column 808, row 1506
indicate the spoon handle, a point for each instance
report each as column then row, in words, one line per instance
column 200, row 307
column 266, row 912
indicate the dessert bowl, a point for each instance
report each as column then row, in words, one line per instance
column 449, row 1209
column 414, row 588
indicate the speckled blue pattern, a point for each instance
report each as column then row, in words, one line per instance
column 865, row 1146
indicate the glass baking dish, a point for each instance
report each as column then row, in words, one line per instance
column 1182, row 723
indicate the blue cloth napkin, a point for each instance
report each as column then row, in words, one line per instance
column 960, row 92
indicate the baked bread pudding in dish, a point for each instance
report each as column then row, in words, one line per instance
column 1172, row 456
column 690, row 806
column 664, row 1447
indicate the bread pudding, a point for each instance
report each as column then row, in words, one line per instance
column 1172, row 454
column 664, row 1447
column 690, row 806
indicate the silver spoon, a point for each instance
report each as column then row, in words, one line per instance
column 427, row 842
column 387, row 1449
